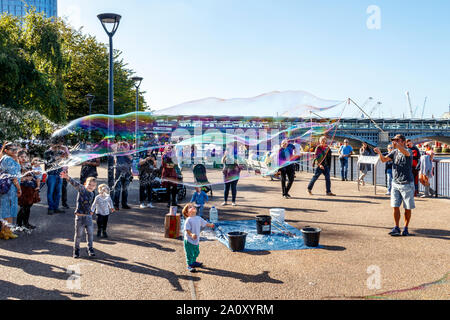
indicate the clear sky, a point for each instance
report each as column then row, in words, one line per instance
column 193, row 49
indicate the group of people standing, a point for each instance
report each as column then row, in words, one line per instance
column 21, row 181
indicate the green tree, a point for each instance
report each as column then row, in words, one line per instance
column 48, row 66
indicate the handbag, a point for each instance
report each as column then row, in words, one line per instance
column 5, row 181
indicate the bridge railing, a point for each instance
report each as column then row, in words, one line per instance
column 440, row 181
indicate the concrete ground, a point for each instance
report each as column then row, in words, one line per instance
column 137, row 262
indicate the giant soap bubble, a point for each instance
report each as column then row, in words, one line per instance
column 208, row 132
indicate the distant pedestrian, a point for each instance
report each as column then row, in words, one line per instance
column 322, row 158
column 402, row 183
column 83, row 213
column 231, row 175
column 9, row 164
column 426, row 172
column 199, row 198
column 52, row 158
column 30, row 185
column 147, row 175
column 287, row 171
column 123, row 178
column 415, row 164
column 345, row 152
column 170, row 176
column 388, row 171
column 364, row 168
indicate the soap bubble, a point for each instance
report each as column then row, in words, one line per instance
column 196, row 134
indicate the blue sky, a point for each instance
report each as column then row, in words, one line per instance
column 193, row 49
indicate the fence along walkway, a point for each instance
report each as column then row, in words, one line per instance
column 440, row 181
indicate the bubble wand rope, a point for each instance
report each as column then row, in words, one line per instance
column 373, row 121
column 334, row 134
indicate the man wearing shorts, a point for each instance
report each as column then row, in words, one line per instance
column 402, row 182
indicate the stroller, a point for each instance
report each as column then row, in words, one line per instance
column 201, row 178
column 159, row 193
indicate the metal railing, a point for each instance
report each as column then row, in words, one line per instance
column 440, row 181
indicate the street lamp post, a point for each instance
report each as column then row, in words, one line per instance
column 137, row 84
column 90, row 99
column 114, row 20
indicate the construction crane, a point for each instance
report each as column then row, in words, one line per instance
column 424, row 104
column 409, row 104
column 364, row 105
column 375, row 107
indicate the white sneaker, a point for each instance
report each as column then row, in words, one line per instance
column 142, row 206
column 388, row 193
column 224, row 204
column 234, row 204
column 150, row 205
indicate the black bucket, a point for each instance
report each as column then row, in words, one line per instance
column 311, row 236
column 236, row 240
column 264, row 225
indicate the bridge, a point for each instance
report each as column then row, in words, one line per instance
column 355, row 130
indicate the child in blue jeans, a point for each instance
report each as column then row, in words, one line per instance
column 192, row 228
column 199, row 198
column 83, row 215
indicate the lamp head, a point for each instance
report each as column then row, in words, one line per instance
column 90, row 97
column 110, row 18
column 137, row 81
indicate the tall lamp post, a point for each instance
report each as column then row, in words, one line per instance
column 113, row 20
column 90, row 99
column 137, row 84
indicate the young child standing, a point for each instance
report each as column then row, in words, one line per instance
column 192, row 228
column 83, row 215
column 199, row 198
column 103, row 206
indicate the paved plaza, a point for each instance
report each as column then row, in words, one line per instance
column 137, row 262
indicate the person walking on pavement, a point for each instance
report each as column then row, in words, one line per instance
column 345, row 152
column 322, row 158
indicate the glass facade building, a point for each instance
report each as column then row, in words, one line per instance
column 20, row 7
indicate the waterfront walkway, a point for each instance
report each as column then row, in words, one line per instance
column 137, row 262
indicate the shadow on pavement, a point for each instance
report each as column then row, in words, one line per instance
column 9, row 290
column 34, row 268
column 333, row 248
column 433, row 233
column 245, row 278
column 144, row 269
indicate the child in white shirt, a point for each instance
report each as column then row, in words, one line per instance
column 103, row 206
column 192, row 228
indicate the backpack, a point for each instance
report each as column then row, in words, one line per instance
column 5, row 181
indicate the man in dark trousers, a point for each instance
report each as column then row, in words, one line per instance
column 123, row 178
column 52, row 158
column 285, row 155
column 322, row 158
column 415, row 164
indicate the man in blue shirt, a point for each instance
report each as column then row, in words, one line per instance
column 345, row 152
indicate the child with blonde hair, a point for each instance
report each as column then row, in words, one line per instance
column 103, row 206
column 192, row 228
